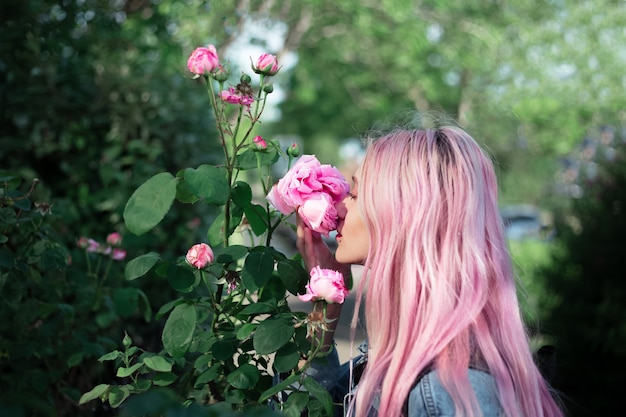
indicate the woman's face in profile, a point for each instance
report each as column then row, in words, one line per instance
column 352, row 236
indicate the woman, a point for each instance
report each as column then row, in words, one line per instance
column 443, row 322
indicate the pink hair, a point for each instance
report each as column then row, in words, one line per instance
column 439, row 288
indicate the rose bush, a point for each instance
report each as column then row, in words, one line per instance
column 230, row 333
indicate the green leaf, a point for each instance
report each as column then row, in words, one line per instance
column 245, row 330
column 111, row 356
column 257, row 270
column 179, row 330
column 215, row 234
column 167, row 307
column 23, row 204
column 229, row 254
column 259, row 308
column 287, row 358
column 293, row 276
column 295, row 404
column 140, row 385
column 248, row 159
column 269, row 393
column 149, row 203
column 317, row 391
column 164, row 379
column 123, row 372
column 97, row 392
column 257, row 218
column 158, row 363
column 225, row 348
column 140, row 266
column 272, row 334
column 244, row 377
column 208, row 376
column 117, row 395
column 181, row 279
column 183, row 192
column 208, row 182
column 241, row 194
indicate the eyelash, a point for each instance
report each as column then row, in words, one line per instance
column 352, row 196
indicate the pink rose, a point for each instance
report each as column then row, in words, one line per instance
column 259, row 143
column 233, row 96
column 82, row 243
column 327, row 285
column 266, row 64
column 308, row 180
column 203, row 60
column 114, row 239
column 199, row 255
column 319, row 213
column 118, row 254
column 92, row 245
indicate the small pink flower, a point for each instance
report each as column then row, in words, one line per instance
column 118, row 254
column 266, row 64
column 92, row 245
column 327, row 285
column 82, row 243
column 259, row 143
column 114, row 239
column 233, row 96
column 199, row 255
column 203, row 60
column 313, row 190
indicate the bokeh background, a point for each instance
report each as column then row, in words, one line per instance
column 95, row 98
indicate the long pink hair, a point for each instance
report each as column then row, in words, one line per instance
column 439, row 288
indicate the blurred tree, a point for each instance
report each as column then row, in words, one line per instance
column 525, row 77
column 587, row 275
column 95, row 99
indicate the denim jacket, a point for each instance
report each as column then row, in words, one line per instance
column 428, row 398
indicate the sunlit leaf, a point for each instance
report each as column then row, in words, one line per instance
column 97, row 392
column 149, row 203
column 158, row 363
column 208, row 182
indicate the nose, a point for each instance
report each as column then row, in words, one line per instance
column 341, row 208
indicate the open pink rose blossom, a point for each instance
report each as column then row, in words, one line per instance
column 327, row 285
column 313, row 190
column 199, row 255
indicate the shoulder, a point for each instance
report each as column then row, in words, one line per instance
column 429, row 398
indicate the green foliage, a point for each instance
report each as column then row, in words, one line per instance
column 587, row 273
column 530, row 258
column 61, row 307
